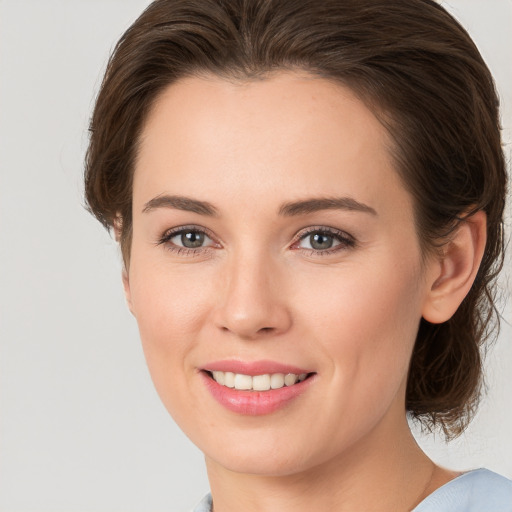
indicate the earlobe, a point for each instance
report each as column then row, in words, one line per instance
column 127, row 291
column 118, row 225
column 456, row 268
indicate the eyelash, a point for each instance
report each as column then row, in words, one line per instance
column 184, row 251
column 345, row 240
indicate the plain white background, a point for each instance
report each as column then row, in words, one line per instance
column 81, row 428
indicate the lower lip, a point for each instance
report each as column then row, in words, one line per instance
column 254, row 403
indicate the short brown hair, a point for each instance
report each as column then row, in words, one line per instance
column 410, row 62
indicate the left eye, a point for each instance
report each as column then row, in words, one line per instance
column 323, row 241
column 190, row 239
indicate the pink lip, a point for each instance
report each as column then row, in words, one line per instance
column 254, row 403
column 253, row 368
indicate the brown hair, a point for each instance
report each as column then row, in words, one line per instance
column 410, row 62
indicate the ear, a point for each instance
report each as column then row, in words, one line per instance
column 118, row 226
column 454, row 271
column 127, row 291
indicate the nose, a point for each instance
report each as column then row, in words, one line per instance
column 253, row 302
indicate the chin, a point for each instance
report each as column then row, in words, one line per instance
column 261, row 464
column 273, row 456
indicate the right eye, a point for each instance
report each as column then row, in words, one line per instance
column 190, row 239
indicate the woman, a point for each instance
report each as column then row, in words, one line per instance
column 309, row 199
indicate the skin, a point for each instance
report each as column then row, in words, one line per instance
column 256, row 290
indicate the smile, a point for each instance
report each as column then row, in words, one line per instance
column 263, row 382
column 256, row 388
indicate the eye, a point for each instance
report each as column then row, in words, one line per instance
column 324, row 240
column 319, row 241
column 186, row 238
column 189, row 239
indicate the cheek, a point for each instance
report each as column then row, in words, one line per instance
column 366, row 320
column 167, row 299
column 359, row 298
column 170, row 307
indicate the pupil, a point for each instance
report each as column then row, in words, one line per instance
column 320, row 241
column 192, row 239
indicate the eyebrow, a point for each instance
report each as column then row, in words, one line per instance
column 180, row 203
column 324, row 203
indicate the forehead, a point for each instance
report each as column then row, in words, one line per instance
column 287, row 132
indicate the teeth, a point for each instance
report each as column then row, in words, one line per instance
column 219, row 377
column 258, row 382
column 290, row 379
column 261, row 382
column 229, row 379
column 277, row 380
column 243, row 381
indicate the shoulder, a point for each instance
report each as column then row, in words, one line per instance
column 474, row 491
column 205, row 505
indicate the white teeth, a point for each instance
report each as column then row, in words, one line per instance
column 261, row 382
column 277, row 380
column 229, row 379
column 219, row 377
column 243, row 382
column 290, row 379
column 258, row 382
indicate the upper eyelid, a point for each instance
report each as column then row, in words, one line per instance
column 323, row 229
column 171, row 232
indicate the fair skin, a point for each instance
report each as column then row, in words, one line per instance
column 335, row 288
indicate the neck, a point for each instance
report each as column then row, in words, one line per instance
column 387, row 471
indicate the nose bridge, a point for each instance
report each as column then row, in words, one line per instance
column 252, row 304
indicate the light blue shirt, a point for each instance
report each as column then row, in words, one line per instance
column 480, row 490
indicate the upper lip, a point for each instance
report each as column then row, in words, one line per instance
column 253, row 368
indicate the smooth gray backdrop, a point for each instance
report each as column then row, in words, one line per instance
column 81, row 428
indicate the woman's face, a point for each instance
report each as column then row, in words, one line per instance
column 272, row 236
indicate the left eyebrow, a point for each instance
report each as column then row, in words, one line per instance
column 324, row 203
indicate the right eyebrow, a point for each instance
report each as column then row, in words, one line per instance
column 180, row 203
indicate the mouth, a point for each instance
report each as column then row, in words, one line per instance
column 263, row 382
column 257, row 388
